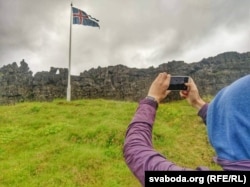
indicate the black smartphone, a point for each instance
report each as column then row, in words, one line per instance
column 178, row 83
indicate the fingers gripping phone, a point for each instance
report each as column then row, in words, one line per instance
column 178, row 83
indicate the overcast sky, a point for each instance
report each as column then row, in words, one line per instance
column 135, row 33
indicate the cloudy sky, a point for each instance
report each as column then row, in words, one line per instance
column 135, row 33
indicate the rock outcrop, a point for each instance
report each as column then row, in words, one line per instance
column 17, row 84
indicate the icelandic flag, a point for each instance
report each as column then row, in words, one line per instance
column 80, row 17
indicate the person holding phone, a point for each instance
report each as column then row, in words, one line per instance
column 227, row 118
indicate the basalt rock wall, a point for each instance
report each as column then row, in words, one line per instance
column 18, row 84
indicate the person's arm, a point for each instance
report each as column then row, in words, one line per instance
column 193, row 98
column 138, row 149
column 203, row 113
column 192, row 95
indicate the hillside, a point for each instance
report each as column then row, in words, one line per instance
column 76, row 144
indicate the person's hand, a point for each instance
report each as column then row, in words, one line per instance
column 192, row 95
column 159, row 86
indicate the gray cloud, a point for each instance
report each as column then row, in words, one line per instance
column 139, row 33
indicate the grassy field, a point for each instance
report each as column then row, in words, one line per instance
column 79, row 143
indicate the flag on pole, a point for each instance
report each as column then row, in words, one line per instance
column 82, row 18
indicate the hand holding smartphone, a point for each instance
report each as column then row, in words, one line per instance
column 178, row 83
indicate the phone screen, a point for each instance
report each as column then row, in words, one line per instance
column 178, row 83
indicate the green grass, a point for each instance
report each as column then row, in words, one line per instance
column 79, row 143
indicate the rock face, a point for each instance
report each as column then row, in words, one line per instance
column 17, row 84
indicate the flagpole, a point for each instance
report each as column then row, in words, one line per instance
column 69, row 70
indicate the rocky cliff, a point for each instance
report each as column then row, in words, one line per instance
column 17, row 83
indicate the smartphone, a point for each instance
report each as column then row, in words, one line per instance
column 178, row 83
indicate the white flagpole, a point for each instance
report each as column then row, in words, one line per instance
column 69, row 70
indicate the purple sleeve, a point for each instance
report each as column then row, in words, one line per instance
column 203, row 112
column 138, row 149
